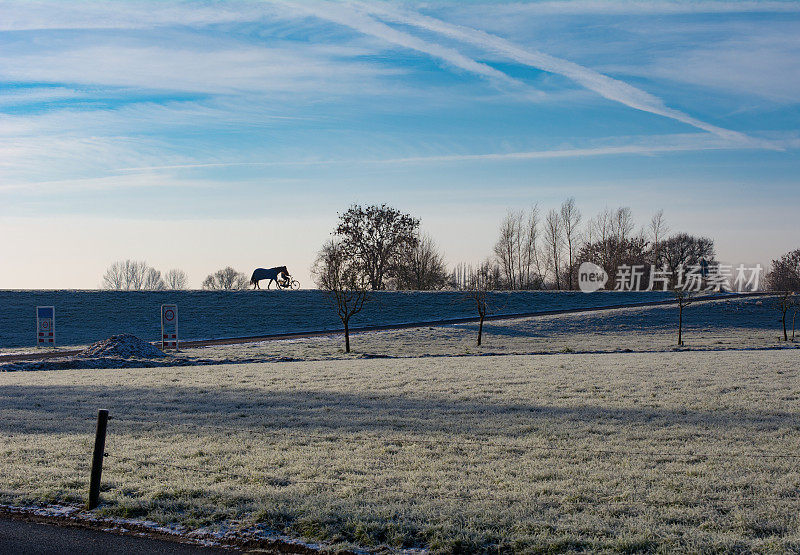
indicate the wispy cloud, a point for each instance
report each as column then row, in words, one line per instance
column 34, row 95
column 218, row 69
column 642, row 146
column 100, row 184
column 641, row 7
column 340, row 14
column 607, row 87
column 133, row 14
column 752, row 62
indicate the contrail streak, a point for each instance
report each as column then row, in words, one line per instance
column 607, row 87
column 363, row 23
column 632, row 149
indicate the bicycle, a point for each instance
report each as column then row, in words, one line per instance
column 289, row 283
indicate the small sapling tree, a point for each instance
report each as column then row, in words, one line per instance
column 784, row 277
column 684, row 299
column 478, row 287
column 786, row 301
column 338, row 274
column 685, row 287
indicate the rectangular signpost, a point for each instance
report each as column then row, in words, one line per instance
column 169, row 327
column 45, row 326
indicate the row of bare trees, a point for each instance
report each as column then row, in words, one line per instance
column 137, row 275
column 535, row 252
column 530, row 248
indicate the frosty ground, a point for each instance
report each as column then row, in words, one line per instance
column 710, row 325
column 622, row 451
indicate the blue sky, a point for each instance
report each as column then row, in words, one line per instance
column 204, row 134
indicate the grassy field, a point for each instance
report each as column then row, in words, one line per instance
column 619, row 452
column 710, row 325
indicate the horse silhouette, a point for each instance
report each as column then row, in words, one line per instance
column 268, row 273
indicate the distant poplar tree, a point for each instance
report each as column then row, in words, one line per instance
column 517, row 250
column 554, row 242
column 570, row 220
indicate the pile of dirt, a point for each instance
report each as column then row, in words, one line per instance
column 122, row 346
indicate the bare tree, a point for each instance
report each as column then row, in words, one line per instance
column 612, row 253
column 658, row 228
column 533, row 275
column 784, row 274
column 554, row 241
column 226, row 279
column 422, row 267
column 656, row 232
column 570, row 220
column 786, row 300
column 684, row 298
column 682, row 251
column 481, row 282
column 114, row 278
column 128, row 275
column 508, row 246
column 153, row 280
column 622, row 223
column 516, row 249
column 459, row 277
column 610, row 223
column 784, row 277
column 135, row 272
column 210, row 283
column 176, row 279
column 339, row 275
column 598, row 228
column 133, row 275
column 376, row 236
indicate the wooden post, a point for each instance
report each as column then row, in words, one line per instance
column 97, row 459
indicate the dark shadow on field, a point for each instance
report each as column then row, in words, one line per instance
column 715, row 316
column 71, row 409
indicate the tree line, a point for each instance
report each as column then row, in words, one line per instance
column 375, row 248
column 137, row 275
column 533, row 251
column 544, row 252
column 378, row 247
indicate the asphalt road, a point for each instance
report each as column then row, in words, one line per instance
column 27, row 538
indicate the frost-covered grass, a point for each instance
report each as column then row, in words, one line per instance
column 709, row 325
column 623, row 452
column 718, row 325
